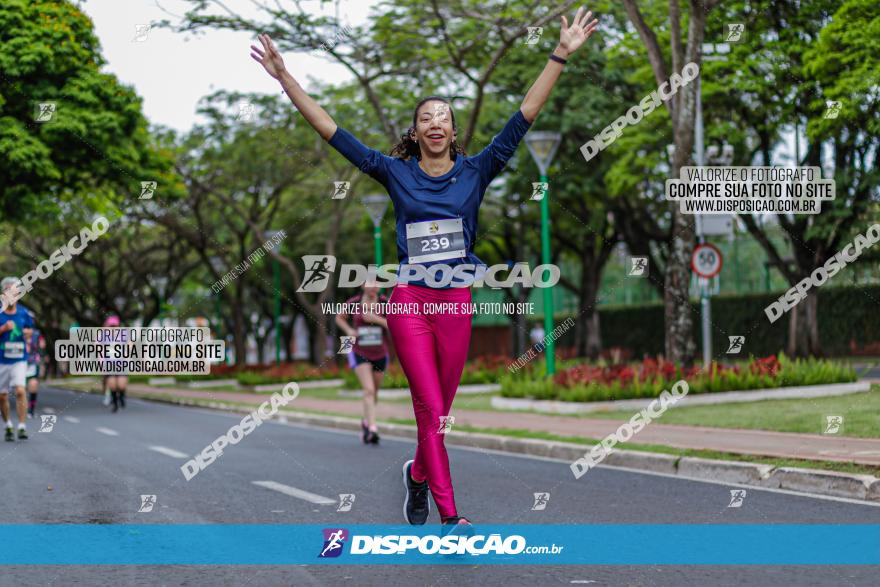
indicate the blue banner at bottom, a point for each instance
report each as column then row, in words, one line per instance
column 277, row 544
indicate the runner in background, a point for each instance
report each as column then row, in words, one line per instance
column 115, row 383
column 36, row 349
column 369, row 356
column 16, row 327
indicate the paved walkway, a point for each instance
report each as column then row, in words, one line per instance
column 750, row 442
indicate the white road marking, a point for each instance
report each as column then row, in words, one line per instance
column 294, row 492
column 610, row 468
column 107, row 431
column 169, row 452
column 48, row 410
column 71, row 419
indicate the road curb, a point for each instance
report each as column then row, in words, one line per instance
column 812, row 481
column 730, row 471
column 824, row 482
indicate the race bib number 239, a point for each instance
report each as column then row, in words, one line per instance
column 435, row 240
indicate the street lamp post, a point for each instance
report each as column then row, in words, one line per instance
column 161, row 284
column 542, row 145
column 276, row 285
column 711, row 52
column 376, row 205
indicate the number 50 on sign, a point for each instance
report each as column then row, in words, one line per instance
column 706, row 260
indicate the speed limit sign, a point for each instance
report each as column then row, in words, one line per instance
column 706, row 260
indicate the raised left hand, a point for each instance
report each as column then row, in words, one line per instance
column 572, row 37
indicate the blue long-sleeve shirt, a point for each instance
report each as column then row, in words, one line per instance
column 419, row 197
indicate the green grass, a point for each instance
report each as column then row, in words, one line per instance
column 860, row 411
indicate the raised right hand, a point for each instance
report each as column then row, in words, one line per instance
column 268, row 57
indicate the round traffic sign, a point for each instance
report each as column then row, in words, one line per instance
column 706, row 260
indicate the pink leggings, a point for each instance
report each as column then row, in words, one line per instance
column 432, row 348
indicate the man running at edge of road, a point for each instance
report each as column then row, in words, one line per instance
column 16, row 327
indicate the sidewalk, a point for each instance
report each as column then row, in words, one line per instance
column 750, row 442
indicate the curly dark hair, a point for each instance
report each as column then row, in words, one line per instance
column 408, row 148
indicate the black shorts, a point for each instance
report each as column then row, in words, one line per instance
column 378, row 364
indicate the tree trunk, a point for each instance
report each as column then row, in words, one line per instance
column 592, row 340
column 239, row 335
column 680, row 346
column 318, row 332
column 803, row 329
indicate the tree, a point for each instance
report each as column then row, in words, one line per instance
column 792, row 63
column 92, row 143
column 679, row 345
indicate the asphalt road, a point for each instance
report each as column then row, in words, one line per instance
column 98, row 465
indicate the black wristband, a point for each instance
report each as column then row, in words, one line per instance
column 557, row 59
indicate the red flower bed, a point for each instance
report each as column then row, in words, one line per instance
column 653, row 369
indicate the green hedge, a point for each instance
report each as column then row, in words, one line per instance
column 847, row 313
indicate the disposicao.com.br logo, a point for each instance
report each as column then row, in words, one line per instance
column 334, row 541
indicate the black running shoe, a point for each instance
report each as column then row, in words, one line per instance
column 9, row 435
column 22, row 434
column 416, row 505
column 372, row 437
column 365, row 431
